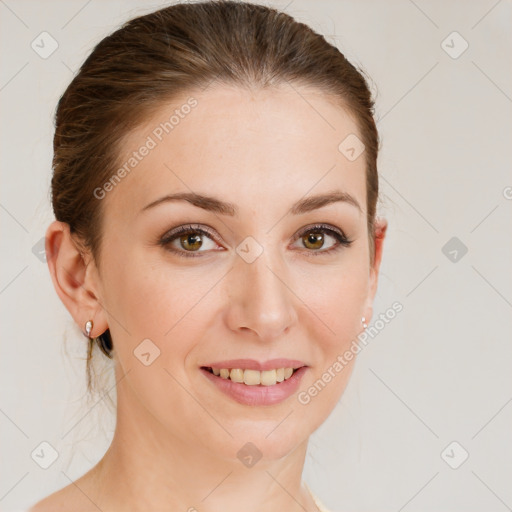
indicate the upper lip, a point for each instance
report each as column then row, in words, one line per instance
column 253, row 364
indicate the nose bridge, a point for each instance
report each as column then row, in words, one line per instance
column 261, row 300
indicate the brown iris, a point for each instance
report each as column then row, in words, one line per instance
column 313, row 240
column 191, row 242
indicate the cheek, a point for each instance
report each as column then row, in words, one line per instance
column 144, row 294
column 157, row 306
column 337, row 306
column 337, row 297
column 152, row 299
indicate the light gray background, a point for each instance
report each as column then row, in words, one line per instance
column 439, row 372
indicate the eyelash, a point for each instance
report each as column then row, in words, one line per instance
column 172, row 235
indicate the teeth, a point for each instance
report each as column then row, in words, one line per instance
column 268, row 378
column 254, row 377
column 288, row 373
column 236, row 375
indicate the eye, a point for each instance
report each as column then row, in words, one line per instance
column 187, row 240
column 314, row 238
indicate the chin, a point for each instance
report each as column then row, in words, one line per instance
column 267, row 439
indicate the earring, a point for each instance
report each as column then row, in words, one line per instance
column 88, row 328
column 363, row 321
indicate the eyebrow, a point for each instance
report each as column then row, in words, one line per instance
column 215, row 205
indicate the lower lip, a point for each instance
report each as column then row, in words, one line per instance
column 257, row 395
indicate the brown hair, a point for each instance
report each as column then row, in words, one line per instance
column 155, row 57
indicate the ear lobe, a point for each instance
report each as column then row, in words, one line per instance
column 72, row 282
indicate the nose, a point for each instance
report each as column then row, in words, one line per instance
column 261, row 298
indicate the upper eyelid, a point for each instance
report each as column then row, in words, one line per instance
column 321, row 226
column 206, row 230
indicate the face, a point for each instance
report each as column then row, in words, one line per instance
column 256, row 273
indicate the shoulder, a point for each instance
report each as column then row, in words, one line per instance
column 61, row 501
column 80, row 496
column 57, row 502
column 47, row 504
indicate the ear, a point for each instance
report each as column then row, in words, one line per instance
column 380, row 229
column 75, row 278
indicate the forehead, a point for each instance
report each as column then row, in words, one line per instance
column 241, row 145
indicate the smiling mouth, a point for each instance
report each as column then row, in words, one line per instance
column 253, row 377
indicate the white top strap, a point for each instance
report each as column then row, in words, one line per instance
column 318, row 503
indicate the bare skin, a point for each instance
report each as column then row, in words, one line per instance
column 177, row 436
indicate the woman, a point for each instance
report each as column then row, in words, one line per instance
column 215, row 188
